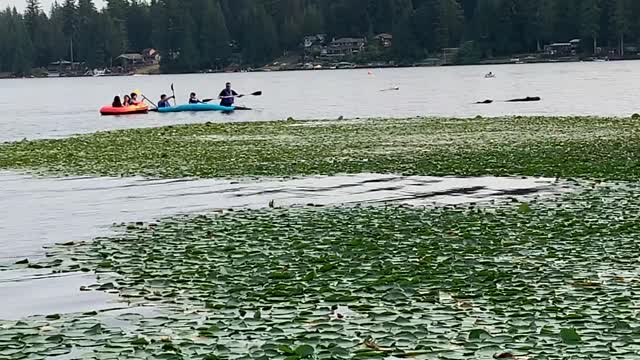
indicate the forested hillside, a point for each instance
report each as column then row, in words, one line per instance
column 206, row 34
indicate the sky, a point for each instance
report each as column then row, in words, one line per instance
column 46, row 4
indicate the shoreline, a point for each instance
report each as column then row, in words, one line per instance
column 353, row 67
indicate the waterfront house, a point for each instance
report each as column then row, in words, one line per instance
column 385, row 40
column 346, row 46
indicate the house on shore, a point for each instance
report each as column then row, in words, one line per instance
column 63, row 67
column 570, row 48
column 151, row 56
column 314, row 45
column 385, row 40
column 346, row 47
column 134, row 60
column 130, row 60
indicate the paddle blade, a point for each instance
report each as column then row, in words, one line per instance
column 172, row 87
column 137, row 91
column 241, row 108
column 257, row 93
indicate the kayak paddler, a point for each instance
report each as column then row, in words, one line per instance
column 228, row 95
column 134, row 99
column 164, row 101
column 193, row 99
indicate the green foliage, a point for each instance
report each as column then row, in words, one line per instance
column 207, row 34
column 467, row 282
column 16, row 49
column 470, row 53
column 562, row 147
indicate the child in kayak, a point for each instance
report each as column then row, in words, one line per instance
column 164, row 101
column 116, row 102
column 134, row 99
column 193, row 99
column 126, row 101
column 228, row 95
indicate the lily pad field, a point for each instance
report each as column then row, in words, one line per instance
column 553, row 147
column 549, row 277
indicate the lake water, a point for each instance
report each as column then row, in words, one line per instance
column 37, row 108
column 38, row 211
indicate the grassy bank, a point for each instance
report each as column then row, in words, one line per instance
column 563, row 147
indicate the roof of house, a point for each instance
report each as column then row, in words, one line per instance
column 349, row 40
column 149, row 52
column 130, row 57
column 384, row 36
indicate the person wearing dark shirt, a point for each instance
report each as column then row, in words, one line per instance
column 126, row 101
column 116, row 102
column 227, row 96
column 164, row 101
column 193, row 99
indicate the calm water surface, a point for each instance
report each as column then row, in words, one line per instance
column 37, row 108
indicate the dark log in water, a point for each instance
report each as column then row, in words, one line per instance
column 528, row 98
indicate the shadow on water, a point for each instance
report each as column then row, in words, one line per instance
column 38, row 211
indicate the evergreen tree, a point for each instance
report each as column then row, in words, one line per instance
column 403, row 33
column 260, row 43
column 32, row 15
column 138, row 26
column 590, row 21
column 36, row 22
column 621, row 21
column 313, row 22
column 214, row 36
column 87, row 31
column 202, row 34
column 70, row 23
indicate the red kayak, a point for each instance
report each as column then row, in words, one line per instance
column 140, row 108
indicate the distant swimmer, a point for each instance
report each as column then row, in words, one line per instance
column 489, row 75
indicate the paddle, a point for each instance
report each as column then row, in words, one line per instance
column 137, row 91
column 173, row 92
column 256, row 93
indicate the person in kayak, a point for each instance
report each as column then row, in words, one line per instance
column 228, row 95
column 193, row 99
column 126, row 101
column 134, row 99
column 164, row 101
column 116, row 102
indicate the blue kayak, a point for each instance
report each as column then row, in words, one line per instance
column 196, row 107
